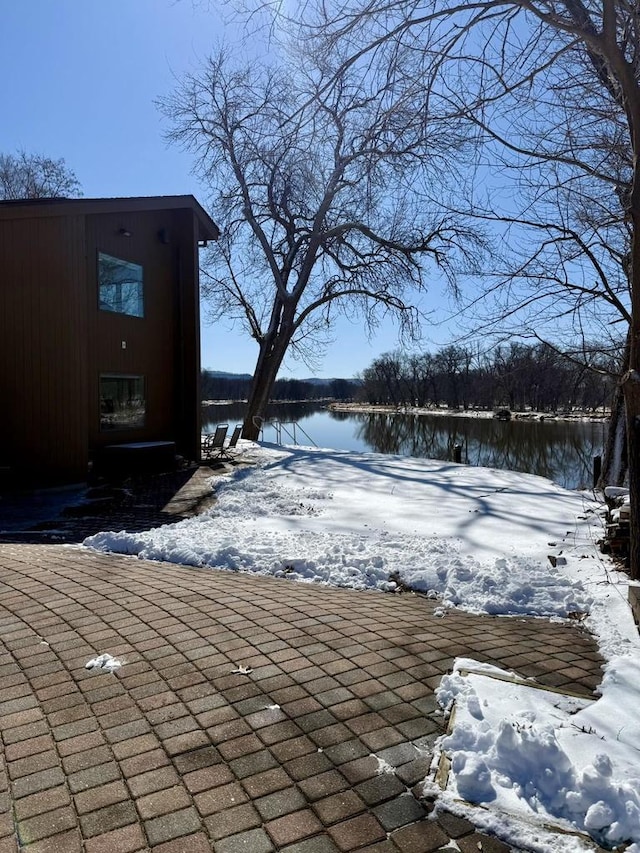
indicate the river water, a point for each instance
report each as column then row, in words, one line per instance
column 562, row 451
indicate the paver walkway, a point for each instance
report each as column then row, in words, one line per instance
column 250, row 715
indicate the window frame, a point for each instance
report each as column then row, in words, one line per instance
column 106, row 305
column 105, row 427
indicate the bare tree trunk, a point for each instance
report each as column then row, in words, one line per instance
column 631, row 379
column 631, row 385
column 614, row 464
column 270, row 360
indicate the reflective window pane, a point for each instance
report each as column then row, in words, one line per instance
column 121, row 286
column 122, row 403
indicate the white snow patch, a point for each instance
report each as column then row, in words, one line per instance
column 242, row 670
column 544, row 756
column 474, row 537
column 383, row 766
column 104, row 663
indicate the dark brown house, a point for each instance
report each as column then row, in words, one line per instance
column 99, row 330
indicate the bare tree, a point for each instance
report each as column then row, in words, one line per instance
column 317, row 188
column 562, row 275
column 489, row 56
column 24, row 175
column 563, row 281
column 520, row 376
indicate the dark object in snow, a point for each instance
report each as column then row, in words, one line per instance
column 502, row 415
column 617, row 529
column 634, row 601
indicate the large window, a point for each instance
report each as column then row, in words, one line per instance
column 120, row 285
column 122, row 404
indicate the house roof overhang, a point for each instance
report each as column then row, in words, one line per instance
column 41, row 207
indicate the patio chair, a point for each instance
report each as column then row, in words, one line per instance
column 225, row 449
column 235, row 436
column 213, row 443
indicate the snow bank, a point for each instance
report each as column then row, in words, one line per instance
column 546, row 757
column 477, row 537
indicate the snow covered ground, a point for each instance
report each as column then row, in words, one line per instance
column 478, row 539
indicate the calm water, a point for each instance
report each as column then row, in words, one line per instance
column 562, row 451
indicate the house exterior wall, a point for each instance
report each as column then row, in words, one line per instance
column 162, row 346
column 43, row 349
column 188, row 352
column 56, row 342
column 150, row 340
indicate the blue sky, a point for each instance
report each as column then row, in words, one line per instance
column 80, row 81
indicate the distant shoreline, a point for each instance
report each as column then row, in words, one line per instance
column 363, row 408
column 371, row 409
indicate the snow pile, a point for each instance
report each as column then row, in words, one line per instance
column 505, row 586
column 545, row 756
column 103, row 663
column 476, row 537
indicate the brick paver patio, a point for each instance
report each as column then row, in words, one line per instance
column 251, row 714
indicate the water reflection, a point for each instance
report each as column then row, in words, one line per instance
column 234, row 412
column 561, row 451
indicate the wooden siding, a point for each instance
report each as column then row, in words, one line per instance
column 43, row 348
column 188, row 355
column 154, row 343
column 55, row 342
